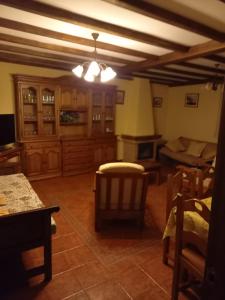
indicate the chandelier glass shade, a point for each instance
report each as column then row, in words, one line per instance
column 91, row 70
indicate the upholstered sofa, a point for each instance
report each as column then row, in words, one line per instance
column 189, row 151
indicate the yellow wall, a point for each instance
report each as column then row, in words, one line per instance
column 160, row 113
column 7, row 102
column 175, row 119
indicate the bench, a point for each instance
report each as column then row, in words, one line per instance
column 26, row 222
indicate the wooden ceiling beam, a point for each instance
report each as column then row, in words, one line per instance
column 70, row 59
column 155, row 78
column 33, row 61
column 183, row 72
column 164, row 15
column 216, row 58
column 69, row 38
column 201, row 67
column 73, row 18
column 177, row 57
column 58, row 48
column 166, row 75
column 194, row 82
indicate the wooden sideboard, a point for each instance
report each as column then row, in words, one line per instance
column 65, row 126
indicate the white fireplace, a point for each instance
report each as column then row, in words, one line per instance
column 139, row 148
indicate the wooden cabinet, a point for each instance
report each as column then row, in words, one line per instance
column 37, row 108
column 42, row 159
column 74, row 107
column 104, row 150
column 77, row 156
column 79, row 114
column 102, row 112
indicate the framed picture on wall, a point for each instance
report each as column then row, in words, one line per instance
column 157, row 101
column 191, row 100
column 120, row 95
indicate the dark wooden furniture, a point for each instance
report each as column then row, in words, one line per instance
column 10, row 167
column 152, row 167
column 174, row 187
column 190, row 248
column 120, row 194
column 65, row 125
column 197, row 182
column 27, row 230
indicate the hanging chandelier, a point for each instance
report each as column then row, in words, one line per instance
column 91, row 70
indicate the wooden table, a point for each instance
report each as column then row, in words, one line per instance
column 152, row 166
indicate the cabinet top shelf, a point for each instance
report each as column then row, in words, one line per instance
column 78, row 109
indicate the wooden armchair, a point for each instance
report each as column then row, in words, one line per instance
column 197, row 182
column 190, row 248
column 174, row 187
column 120, row 192
column 190, row 186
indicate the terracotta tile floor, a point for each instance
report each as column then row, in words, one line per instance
column 119, row 263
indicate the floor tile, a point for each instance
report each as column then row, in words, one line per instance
column 66, row 242
column 63, row 285
column 107, row 291
column 134, row 281
column 91, row 274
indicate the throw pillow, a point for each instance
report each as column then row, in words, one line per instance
column 175, row 146
column 209, row 152
column 195, row 148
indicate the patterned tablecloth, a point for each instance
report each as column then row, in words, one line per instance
column 192, row 222
column 19, row 195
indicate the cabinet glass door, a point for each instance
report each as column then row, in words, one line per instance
column 29, row 112
column 108, row 120
column 48, row 116
column 97, row 113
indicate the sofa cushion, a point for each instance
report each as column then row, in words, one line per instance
column 195, row 148
column 175, row 145
column 209, row 151
column 183, row 157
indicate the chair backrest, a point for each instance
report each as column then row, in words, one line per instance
column 174, row 187
column 193, row 238
column 121, row 186
column 197, row 182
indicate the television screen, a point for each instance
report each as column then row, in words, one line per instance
column 7, row 129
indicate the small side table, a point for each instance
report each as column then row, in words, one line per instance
column 152, row 166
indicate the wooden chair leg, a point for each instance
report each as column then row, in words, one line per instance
column 175, row 283
column 166, row 246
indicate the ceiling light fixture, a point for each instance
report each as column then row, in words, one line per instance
column 92, row 70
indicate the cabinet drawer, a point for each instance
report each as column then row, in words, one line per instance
column 81, row 154
column 77, row 149
column 41, row 145
column 76, row 143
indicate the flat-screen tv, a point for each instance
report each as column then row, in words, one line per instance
column 7, row 130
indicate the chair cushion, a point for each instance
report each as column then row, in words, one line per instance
column 121, row 167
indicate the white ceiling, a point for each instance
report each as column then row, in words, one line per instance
column 70, row 32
